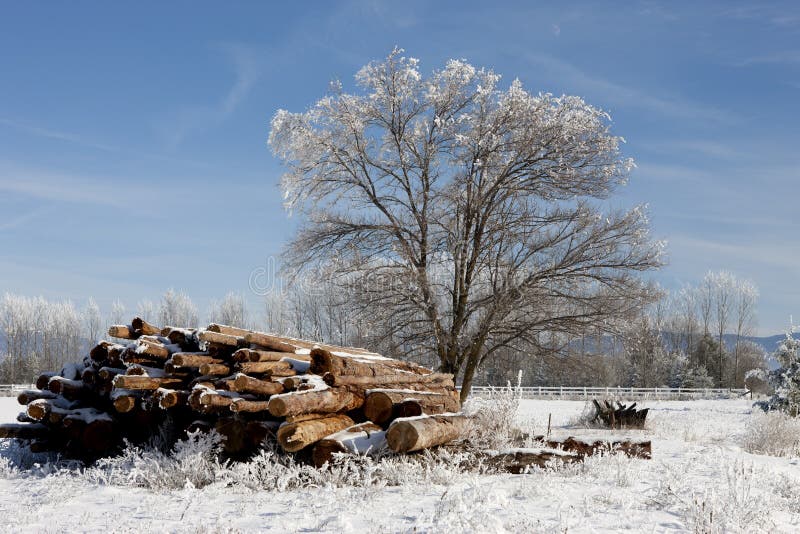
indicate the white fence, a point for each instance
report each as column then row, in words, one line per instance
column 553, row 392
column 559, row 392
column 12, row 390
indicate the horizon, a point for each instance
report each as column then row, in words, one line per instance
column 148, row 166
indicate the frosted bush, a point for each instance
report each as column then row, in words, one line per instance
column 193, row 462
column 493, row 415
column 773, row 433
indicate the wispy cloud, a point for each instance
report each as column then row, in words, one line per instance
column 48, row 185
column 704, row 147
column 624, row 96
column 745, row 252
column 57, row 135
column 783, row 57
column 188, row 120
column 20, row 220
column 781, row 16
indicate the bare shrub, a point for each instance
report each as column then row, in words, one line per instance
column 493, row 416
column 773, row 433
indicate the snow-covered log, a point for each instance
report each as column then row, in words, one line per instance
column 248, row 384
column 364, row 438
column 383, row 405
column 315, row 401
column 417, row 433
column 295, row 436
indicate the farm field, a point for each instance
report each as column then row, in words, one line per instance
column 700, row 479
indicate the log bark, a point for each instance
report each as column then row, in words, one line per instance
column 121, row 331
column 24, row 431
column 30, row 395
column 193, row 359
column 69, row 389
column 108, row 373
column 99, row 436
column 409, row 435
column 145, row 382
column 358, row 439
column 315, row 401
column 392, row 380
column 272, row 368
column 325, row 361
column 215, row 369
column 125, row 403
column 248, row 384
column 253, row 355
column 170, row 398
column 382, row 406
column 249, row 406
column 212, row 398
column 521, row 461
column 43, row 379
column 143, row 328
column 221, row 339
column 296, row 436
column 632, row 448
column 152, row 348
column 228, row 330
column 306, row 417
column 271, row 342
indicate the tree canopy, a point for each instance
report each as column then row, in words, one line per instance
column 464, row 216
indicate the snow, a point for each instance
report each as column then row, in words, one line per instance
column 700, row 479
column 301, row 366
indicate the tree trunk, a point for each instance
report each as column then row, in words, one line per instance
column 408, row 435
column 358, row 439
column 295, row 436
column 324, row 361
column 247, row 384
column 193, row 359
column 221, row 339
column 276, row 368
column 382, row 406
column 145, row 382
column 313, row 401
column 433, row 380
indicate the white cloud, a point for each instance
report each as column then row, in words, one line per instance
column 57, row 135
column 20, row 220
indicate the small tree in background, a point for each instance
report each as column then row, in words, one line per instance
column 786, row 379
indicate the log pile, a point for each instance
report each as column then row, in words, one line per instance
column 314, row 399
column 621, row 416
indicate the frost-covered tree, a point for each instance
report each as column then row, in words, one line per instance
column 92, row 320
column 466, row 217
column 231, row 311
column 786, row 379
column 176, row 309
column 117, row 315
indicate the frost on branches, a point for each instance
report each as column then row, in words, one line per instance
column 786, row 379
column 466, row 217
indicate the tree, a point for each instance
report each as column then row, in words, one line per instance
column 465, row 218
column 92, row 320
column 786, row 379
column 746, row 298
column 231, row 311
column 176, row 309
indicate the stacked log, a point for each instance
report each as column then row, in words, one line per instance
column 621, row 416
column 247, row 385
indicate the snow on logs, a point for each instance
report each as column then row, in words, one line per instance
column 248, row 386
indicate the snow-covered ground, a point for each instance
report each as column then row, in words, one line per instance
column 700, row 479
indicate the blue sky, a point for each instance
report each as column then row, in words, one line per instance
column 133, row 150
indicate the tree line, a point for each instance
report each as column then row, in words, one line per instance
column 694, row 337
